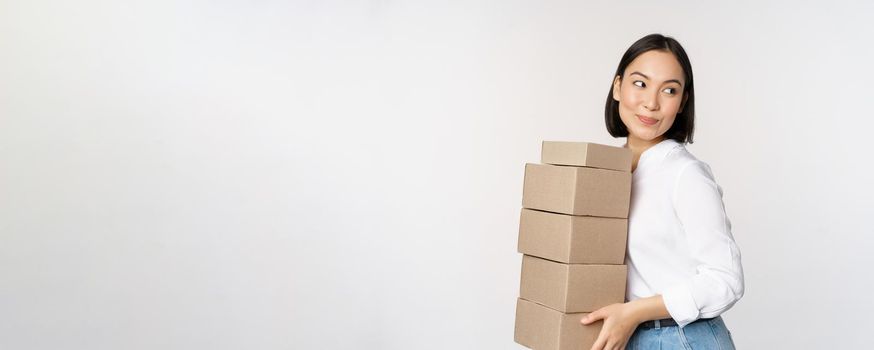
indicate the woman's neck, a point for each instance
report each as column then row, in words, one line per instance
column 638, row 146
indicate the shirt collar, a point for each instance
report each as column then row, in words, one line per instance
column 656, row 153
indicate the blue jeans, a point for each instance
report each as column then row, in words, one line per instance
column 704, row 335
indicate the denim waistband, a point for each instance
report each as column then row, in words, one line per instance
column 666, row 322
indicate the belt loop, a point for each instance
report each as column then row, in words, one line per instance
column 658, row 324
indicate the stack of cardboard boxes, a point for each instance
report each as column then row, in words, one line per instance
column 572, row 232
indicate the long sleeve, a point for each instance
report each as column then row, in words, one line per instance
column 718, row 280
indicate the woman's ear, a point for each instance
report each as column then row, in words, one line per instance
column 617, row 81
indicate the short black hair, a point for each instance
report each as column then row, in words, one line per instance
column 684, row 124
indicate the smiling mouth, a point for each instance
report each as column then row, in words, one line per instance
column 646, row 120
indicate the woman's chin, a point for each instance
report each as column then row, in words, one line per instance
column 645, row 135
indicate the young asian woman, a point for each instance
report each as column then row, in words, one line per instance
column 684, row 266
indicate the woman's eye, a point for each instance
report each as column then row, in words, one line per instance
column 670, row 91
column 639, row 83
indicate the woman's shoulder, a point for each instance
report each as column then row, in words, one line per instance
column 681, row 162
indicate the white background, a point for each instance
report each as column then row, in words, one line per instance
column 348, row 175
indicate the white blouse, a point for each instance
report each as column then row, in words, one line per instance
column 679, row 238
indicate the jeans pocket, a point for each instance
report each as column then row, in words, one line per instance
column 683, row 340
column 721, row 334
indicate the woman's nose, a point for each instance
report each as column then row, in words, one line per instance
column 651, row 102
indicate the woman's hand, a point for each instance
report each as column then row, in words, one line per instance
column 620, row 321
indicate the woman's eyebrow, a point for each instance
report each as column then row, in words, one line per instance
column 647, row 78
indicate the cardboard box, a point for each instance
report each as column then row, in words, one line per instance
column 572, row 288
column 576, row 190
column 586, row 154
column 573, row 239
column 541, row 328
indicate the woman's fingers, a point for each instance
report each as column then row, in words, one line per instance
column 602, row 340
column 605, row 342
column 592, row 317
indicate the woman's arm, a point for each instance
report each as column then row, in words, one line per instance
column 652, row 308
column 718, row 280
column 620, row 320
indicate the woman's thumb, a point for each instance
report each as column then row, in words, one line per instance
column 592, row 317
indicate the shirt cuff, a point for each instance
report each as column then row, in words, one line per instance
column 681, row 305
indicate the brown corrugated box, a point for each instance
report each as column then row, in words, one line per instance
column 572, row 239
column 572, row 234
column 576, row 190
column 586, row 154
column 572, row 288
column 541, row 328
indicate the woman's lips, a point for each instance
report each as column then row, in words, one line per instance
column 647, row 121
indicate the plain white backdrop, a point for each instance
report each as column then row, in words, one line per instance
column 348, row 175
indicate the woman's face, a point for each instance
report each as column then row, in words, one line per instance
column 650, row 94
